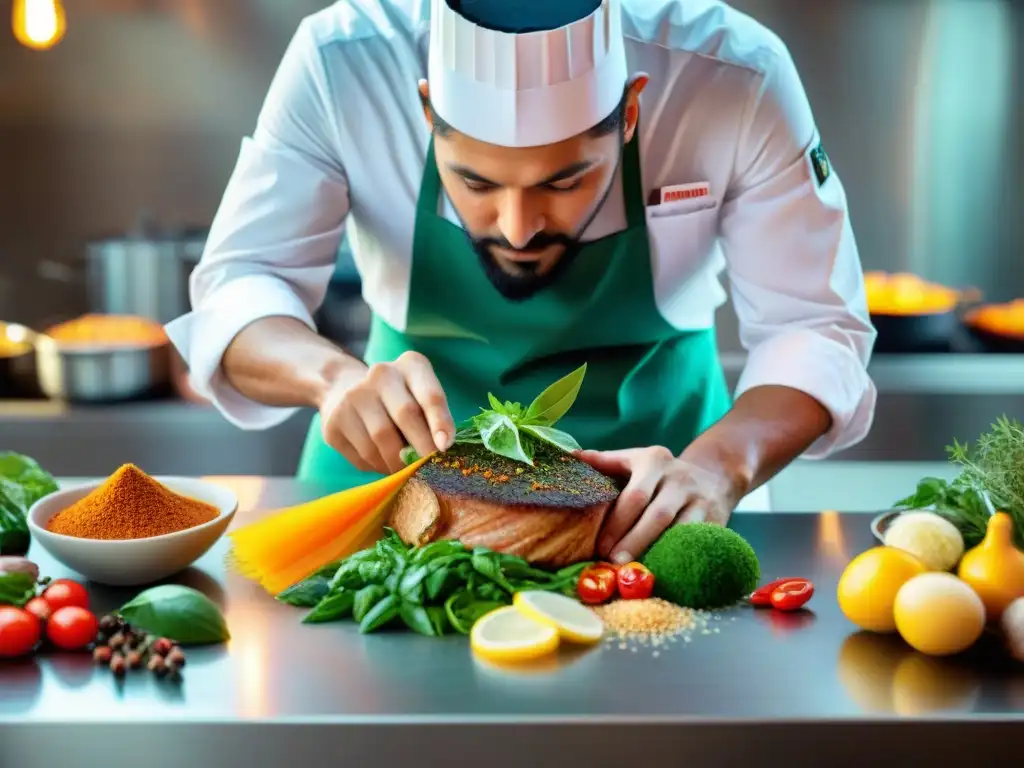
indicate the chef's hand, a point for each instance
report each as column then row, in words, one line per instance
column 370, row 414
column 662, row 490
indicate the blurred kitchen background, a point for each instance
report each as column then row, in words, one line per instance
column 116, row 144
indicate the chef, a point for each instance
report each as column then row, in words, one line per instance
column 528, row 186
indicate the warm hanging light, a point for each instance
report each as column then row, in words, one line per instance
column 39, row 24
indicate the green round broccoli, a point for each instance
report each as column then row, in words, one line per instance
column 702, row 565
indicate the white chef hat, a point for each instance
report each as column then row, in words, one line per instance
column 522, row 73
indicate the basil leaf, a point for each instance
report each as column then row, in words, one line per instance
column 373, row 571
column 14, row 535
column 365, row 600
column 463, row 610
column 555, row 437
column 417, row 619
column 555, row 401
column 486, row 563
column 334, row 606
column 382, row 613
column 307, row 593
column 495, row 403
column 34, row 481
column 489, row 591
column 500, row 436
column 16, row 588
column 469, row 434
column 437, row 549
column 408, row 455
column 437, row 582
column 411, row 588
column 929, row 491
column 347, row 576
column 438, row 618
column 178, row 613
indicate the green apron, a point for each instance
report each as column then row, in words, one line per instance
column 647, row 383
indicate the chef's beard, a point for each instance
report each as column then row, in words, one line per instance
column 519, row 287
column 529, row 281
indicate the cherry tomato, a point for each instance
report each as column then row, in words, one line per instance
column 39, row 608
column 791, row 595
column 19, row 632
column 762, row 596
column 72, row 627
column 63, row 592
column 635, row 582
column 596, row 584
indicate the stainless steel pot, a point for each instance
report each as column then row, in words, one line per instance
column 101, row 375
column 144, row 273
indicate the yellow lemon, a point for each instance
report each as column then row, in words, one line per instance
column 573, row 620
column 867, row 589
column 507, row 634
column 938, row 614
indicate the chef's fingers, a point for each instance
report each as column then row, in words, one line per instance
column 630, row 504
column 616, row 463
column 350, row 424
column 407, row 415
column 381, row 430
column 671, row 499
column 425, row 387
column 334, row 437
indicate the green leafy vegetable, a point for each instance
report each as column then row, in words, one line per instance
column 35, row 481
column 555, row 437
column 308, row 593
column 335, row 606
column 991, row 472
column 16, row 588
column 178, row 613
column 381, row 614
column 508, row 429
column 430, row 589
column 555, row 401
column 500, row 435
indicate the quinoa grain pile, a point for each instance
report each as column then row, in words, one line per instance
column 652, row 623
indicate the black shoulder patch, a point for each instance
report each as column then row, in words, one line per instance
column 822, row 167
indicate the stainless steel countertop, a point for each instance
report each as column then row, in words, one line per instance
column 760, row 679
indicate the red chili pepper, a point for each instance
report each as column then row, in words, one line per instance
column 596, row 584
column 791, row 595
column 635, row 582
column 762, row 596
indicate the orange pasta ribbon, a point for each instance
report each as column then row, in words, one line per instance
column 293, row 543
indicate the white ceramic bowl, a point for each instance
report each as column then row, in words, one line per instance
column 133, row 562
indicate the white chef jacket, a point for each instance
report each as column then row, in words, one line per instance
column 341, row 142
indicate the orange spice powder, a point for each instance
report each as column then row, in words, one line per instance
column 130, row 505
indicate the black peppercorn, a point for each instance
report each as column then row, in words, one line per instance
column 134, row 659
column 176, row 658
column 162, row 646
column 102, row 654
column 108, row 624
column 117, row 641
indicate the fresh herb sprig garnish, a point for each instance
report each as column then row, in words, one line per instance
column 508, row 429
column 991, row 472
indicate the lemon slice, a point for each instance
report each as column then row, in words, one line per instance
column 507, row 634
column 573, row 620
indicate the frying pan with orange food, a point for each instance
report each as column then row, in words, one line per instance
column 910, row 313
column 998, row 327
